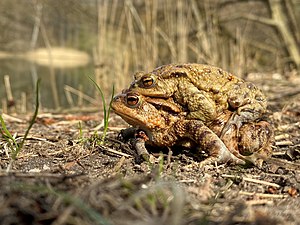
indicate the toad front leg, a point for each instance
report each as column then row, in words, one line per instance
column 139, row 142
column 208, row 141
column 138, row 139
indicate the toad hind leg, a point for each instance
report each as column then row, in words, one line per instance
column 208, row 141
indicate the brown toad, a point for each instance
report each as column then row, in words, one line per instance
column 205, row 91
column 167, row 127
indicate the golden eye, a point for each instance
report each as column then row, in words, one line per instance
column 132, row 99
column 147, row 81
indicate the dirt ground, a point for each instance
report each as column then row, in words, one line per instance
column 62, row 176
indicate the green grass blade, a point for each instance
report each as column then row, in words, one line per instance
column 111, row 99
column 4, row 128
column 106, row 111
column 7, row 133
column 102, row 97
column 37, row 104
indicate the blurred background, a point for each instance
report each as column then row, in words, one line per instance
column 65, row 42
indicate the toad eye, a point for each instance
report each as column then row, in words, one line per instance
column 132, row 99
column 147, row 81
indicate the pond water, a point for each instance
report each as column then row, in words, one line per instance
column 23, row 75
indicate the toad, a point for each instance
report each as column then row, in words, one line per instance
column 205, row 91
column 165, row 124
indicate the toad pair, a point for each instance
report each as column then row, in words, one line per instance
column 201, row 105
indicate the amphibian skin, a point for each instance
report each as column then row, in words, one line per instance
column 165, row 127
column 205, row 91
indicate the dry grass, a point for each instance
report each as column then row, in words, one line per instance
column 134, row 37
column 141, row 35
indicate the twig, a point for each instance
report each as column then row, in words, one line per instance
column 9, row 118
column 9, row 94
column 279, row 153
column 281, row 143
column 283, row 163
column 38, row 139
column 115, row 152
column 188, row 181
column 252, row 180
column 261, row 195
column 79, row 93
column 288, row 126
column 281, row 137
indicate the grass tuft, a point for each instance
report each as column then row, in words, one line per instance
column 106, row 111
column 15, row 146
